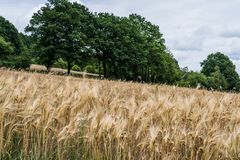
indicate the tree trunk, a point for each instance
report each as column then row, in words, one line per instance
column 104, row 69
column 99, row 65
column 48, row 69
column 48, row 66
column 69, row 68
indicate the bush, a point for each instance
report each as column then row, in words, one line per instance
column 91, row 69
column 21, row 61
column 60, row 63
column 76, row 68
column 193, row 79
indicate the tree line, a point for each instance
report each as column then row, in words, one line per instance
column 67, row 35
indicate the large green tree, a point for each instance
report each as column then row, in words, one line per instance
column 102, row 42
column 159, row 65
column 132, row 48
column 11, row 35
column 118, row 47
column 61, row 28
column 130, row 55
column 225, row 67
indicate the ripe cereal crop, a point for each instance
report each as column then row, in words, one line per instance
column 55, row 117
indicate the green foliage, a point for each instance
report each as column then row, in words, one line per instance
column 22, row 61
column 11, row 35
column 128, row 48
column 91, row 69
column 60, row 27
column 103, row 42
column 217, row 81
column 28, row 42
column 76, row 68
column 5, row 47
column 225, row 67
column 13, row 52
column 193, row 79
column 60, row 63
column 6, row 50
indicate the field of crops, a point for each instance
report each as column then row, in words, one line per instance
column 56, row 117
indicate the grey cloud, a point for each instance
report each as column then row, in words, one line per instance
column 234, row 33
column 234, row 56
column 187, row 45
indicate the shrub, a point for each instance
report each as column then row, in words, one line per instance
column 60, row 63
column 76, row 68
column 91, row 69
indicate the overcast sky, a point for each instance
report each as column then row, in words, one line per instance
column 192, row 28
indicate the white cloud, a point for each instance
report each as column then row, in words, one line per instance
column 19, row 12
column 78, row 1
column 34, row 10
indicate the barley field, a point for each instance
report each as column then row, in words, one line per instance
column 54, row 117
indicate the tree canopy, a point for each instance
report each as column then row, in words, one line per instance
column 60, row 28
column 11, row 35
column 132, row 48
column 5, row 47
column 12, row 49
column 225, row 67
